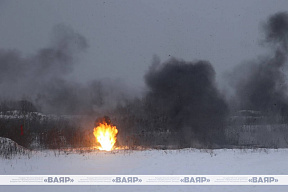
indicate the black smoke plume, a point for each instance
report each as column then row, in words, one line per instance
column 185, row 95
column 43, row 78
column 261, row 85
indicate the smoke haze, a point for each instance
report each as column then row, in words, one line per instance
column 182, row 96
column 261, row 84
column 43, row 79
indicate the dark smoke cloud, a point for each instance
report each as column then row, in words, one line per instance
column 42, row 78
column 261, row 85
column 185, row 94
column 277, row 30
column 48, row 63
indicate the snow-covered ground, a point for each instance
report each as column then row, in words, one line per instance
column 149, row 162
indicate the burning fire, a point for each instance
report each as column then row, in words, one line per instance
column 105, row 134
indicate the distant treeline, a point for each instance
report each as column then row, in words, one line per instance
column 34, row 130
column 21, row 122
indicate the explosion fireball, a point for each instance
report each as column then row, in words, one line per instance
column 105, row 134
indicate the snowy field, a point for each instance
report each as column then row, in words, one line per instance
column 149, row 162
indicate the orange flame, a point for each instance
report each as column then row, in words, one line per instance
column 105, row 134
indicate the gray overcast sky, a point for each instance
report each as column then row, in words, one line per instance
column 124, row 35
